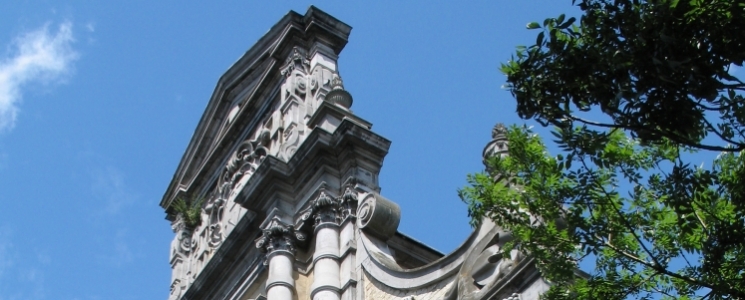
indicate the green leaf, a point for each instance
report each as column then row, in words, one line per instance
column 643, row 94
column 533, row 25
column 560, row 19
column 539, row 39
column 567, row 23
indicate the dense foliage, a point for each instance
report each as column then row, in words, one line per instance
column 189, row 210
column 639, row 93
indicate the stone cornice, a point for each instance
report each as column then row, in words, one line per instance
column 321, row 146
column 210, row 144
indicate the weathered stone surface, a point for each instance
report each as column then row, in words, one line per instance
column 302, row 285
column 378, row 291
column 256, row 289
column 292, row 204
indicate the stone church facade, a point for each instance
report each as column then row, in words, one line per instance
column 282, row 180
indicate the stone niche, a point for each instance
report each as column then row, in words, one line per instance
column 284, row 178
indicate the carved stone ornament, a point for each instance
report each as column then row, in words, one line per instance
column 349, row 203
column 214, row 209
column 243, row 162
column 485, row 267
column 278, row 236
column 498, row 144
column 186, row 242
column 499, row 131
column 379, row 216
column 296, row 61
column 514, row 296
column 324, row 209
column 338, row 95
column 492, row 264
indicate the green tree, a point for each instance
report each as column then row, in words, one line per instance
column 634, row 92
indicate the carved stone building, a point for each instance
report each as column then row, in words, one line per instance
column 281, row 180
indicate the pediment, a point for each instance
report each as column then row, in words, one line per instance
column 247, row 94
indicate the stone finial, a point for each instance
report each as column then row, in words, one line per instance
column 498, row 144
column 338, row 95
column 337, row 83
column 499, row 132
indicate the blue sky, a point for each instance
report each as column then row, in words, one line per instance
column 98, row 102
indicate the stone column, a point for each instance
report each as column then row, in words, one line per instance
column 325, row 284
column 278, row 242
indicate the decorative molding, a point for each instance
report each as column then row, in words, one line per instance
column 325, row 209
column 378, row 216
column 514, row 296
column 186, row 241
column 338, row 95
column 243, row 162
column 296, row 61
column 278, row 236
column 214, row 210
column 273, row 108
column 349, row 200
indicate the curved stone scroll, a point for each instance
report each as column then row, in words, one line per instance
column 478, row 265
column 214, row 209
column 381, row 266
column 245, row 159
column 243, row 162
column 379, row 216
column 485, row 267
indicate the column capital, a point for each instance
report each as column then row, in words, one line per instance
column 326, row 209
column 279, row 236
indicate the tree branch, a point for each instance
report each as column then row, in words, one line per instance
column 672, row 136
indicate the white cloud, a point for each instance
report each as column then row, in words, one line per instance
column 38, row 55
column 109, row 187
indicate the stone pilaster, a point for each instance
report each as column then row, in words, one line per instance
column 347, row 241
column 326, row 212
column 278, row 242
